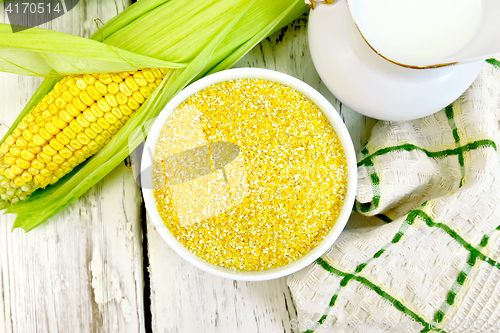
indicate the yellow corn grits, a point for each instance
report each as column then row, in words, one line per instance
column 296, row 174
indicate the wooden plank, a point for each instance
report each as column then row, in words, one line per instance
column 186, row 299
column 82, row 270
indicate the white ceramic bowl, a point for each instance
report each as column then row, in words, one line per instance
column 286, row 80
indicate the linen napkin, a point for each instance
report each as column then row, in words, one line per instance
column 421, row 251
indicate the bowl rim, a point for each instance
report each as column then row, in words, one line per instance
column 334, row 119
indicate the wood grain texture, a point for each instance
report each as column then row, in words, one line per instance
column 82, row 270
column 186, row 299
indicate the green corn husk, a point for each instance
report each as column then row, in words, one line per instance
column 193, row 38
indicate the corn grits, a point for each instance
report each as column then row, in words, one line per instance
column 271, row 204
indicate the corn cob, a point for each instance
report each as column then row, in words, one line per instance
column 71, row 123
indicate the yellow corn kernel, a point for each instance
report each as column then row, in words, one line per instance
column 86, row 151
column 72, row 161
column 69, row 132
column 34, row 148
column 110, row 118
column 125, row 89
column 113, row 88
column 149, row 75
column 158, row 81
column 62, row 138
column 61, row 103
column 117, row 113
column 9, row 174
column 121, row 98
column 118, row 124
column 75, row 144
column 111, row 99
column 23, row 164
column 90, row 133
column 100, row 140
column 66, row 167
column 74, row 90
column 46, row 114
column 33, row 171
column 15, row 151
column 140, row 79
column 16, row 170
column 52, row 166
column 72, row 110
column 67, row 96
column 53, row 109
column 96, row 128
column 145, row 91
column 157, row 73
column 51, row 128
column 116, row 79
column 18, row 181
column 106, row 134
column 112, row 129
column 79, row 155
column 103, row 105
column 89, row 79
column 27, row 155
column 34, row 128
column 96, row 111
column 36, row 164
column 86, row 99
column 75, row 126
column 93, row 146
column 23, row 125
column 17, row 133
column 43, row 105
column 79, row 105
column 9, row 160
column 28, row 135
column 45, row 172
column 94, row 93
column 81, row 84
column 59, row 123
column 105, row 78
column 89, row 115
column 49, row 150
column 11, row 140
column 124, row 75
column 21, row 142
column 125, row 110
column 38, row 179
column 65, row 152
column 59, row 173
column 82, row 121
column 83, row 139
column 44, row 158
column 152, row 86
column 58, row 159
column 138, row 97
column 65, row 116
column 54, row 143
column 4, row 148
column 131, row 84
column 26, row 177
column 101, row 88
column 102, row 123
column 132, row 103
column 44, row 135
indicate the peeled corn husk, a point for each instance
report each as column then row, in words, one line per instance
column 192, row 38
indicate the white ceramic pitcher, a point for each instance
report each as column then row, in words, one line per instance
column 429, row 33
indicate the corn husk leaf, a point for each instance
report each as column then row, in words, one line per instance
column 46, row 53
column 239, row 27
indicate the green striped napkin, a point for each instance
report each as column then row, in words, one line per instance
column 421, row 252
